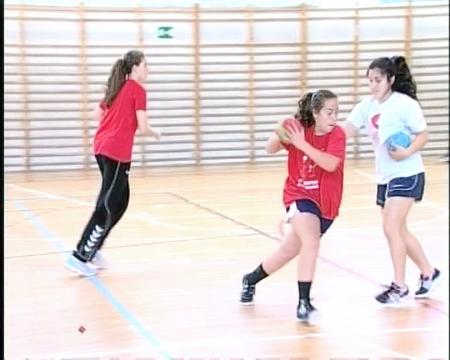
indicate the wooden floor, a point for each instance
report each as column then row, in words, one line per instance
column 177, row 258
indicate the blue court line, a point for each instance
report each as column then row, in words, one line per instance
column 98, row 284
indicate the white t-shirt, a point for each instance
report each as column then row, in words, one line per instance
column 398, row 113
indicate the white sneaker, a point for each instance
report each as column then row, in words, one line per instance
column 78, row 266
column 99, row 261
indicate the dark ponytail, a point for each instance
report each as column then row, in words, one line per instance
column 312, row 102
column 396, row 66
column 404, row 82
column 119, row 73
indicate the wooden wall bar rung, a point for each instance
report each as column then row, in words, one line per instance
column 197, row 81
column 23, row 72
column 251, row 83
column 216, row 87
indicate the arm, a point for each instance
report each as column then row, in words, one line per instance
column 416, row 123
column 325, row 160
column 350, row 129
column 417, row 144
column 273, row 144
column 144, row 127
column 357, row 118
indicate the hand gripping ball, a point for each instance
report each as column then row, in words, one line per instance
column 284, row 125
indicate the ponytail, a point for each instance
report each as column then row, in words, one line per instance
column 304, row 112
column 119, row 72
column 404, row 82
column 115, row 81
column 396, row 66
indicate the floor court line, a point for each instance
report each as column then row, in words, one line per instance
column 277, row 238
column 269, row 339
column 96, row 282
column 350, row 337
column 254, row 229
column 145, row 216
column 230, row 340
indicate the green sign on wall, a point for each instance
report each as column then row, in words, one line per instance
column 164, row 32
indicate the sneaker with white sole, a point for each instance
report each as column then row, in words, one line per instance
column 393, row 294
column 428, row 284
column 78, row 266
column 99, row 261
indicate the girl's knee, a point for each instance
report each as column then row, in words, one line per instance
column 289, row 252
column 311, row 245
column 392, row 230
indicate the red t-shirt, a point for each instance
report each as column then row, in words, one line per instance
column 306, row 180
column 115, row 134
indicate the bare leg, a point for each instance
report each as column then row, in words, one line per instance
column 416, row 254
column 289, row 248
column 307, row 228
column 395, row 213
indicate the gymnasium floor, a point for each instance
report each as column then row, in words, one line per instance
column 177, row 259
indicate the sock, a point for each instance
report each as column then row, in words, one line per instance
column 303, row 289
column 256, row 276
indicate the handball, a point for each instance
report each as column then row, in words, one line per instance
column 399, row 139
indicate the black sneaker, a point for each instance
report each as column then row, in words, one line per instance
column 393, row 294
column 306, row 312
column 248, row 292
column 427, row 284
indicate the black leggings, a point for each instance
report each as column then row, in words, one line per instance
column 111, row 205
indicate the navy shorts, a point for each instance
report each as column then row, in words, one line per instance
column 410, row 186
column 310, row 206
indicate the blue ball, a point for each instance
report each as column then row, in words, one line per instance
column 400, row 138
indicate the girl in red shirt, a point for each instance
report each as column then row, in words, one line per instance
column 312, row 192
column 121, row 112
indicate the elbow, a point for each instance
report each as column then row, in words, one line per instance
column 272, row 146
column 332, row 165
column 142, row 124
column 420, row 141
column 425, row 137
column 270, row 150
column 349, row 130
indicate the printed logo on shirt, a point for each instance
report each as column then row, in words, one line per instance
column 307, row 168
column 374, row 131
column 308, row 178
column 374, row 120
column 308, row 184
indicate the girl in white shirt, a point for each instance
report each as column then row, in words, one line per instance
column 393, row 107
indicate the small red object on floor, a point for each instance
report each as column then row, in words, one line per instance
column 81, row 329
